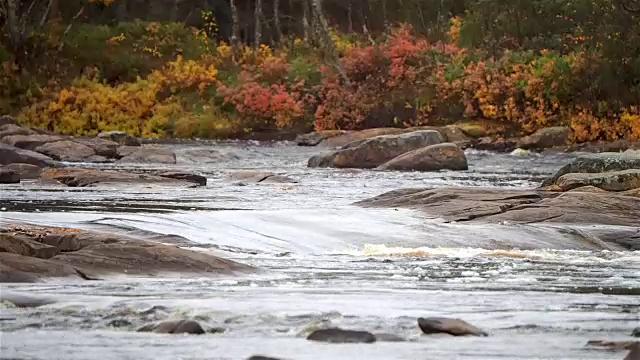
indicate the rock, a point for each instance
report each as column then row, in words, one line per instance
column 611, row 181
column 11, row 129
column 260, row 357
column 545, row 138
column 18, row 268
column 376, row 151
column 7, row 120
column 636, row 332
column 612, row 345
column 597, row 163
column 25, row 171
column 204, row 156
column 528, row 207
column 472, row 130
column 11, row 155
column 8, row 176
column 175, row 327
column 24, row 300
column 30, row 142
column 520, row 152
column 431, row 158
column 359, row 136
column 490, row 144
column 634, row 352
column 119, row 323
column 455, row 327
column 23, row 245
column 178, row 175
column 251, row 176
column 336, row 335
column 554, row 188
column 123, row 151
column 101, row 147
column 120, row 137
column 150, row 155
column 453, row 134
column 64, row 241
column 66, row 150
column 78, row 177
column 314, row 138
column 588, row 188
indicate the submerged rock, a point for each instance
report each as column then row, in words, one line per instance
column 376, row 151
column 179, row 327
column 178, row 175
column 389, row 337
column 431, row 158
column 260, row 357
column 455, row 327
column 337, row 335
column 636, row 332
column 24, row 300
column 251, row 176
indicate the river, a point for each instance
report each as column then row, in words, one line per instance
column 324, row 262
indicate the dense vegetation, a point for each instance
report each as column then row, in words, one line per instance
column 212, row 68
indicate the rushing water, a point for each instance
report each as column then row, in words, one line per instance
column 539, row 293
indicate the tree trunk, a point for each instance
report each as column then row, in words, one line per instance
column 257, row 14
column 16, row 37
column 121, row 10
column 235, row 23
column 276, row 20
column 329, row 45
column 350, row 17
column 306, row 28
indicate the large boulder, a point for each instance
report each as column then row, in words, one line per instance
column 611, row 180
column 545, row 138
column 431, row 158
column 376, row 151
column 120, row 137
column 455, row 327
column 8, row 176
column 354, row 136
column 78, row 177
column 12, row 129
column 66, row 150
column 150, row 155
column 30, row 142
column 101, row 147
column 25, row 171
column 11, row 155
column 597, row 163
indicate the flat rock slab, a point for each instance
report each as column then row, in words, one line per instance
column 610, row 181
column 76, row 177
column 525, row 207
column 149, row 155
column 341, row 336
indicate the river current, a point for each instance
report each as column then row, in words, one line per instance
column 324, row 262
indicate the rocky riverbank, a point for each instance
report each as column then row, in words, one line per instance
column 31, row 254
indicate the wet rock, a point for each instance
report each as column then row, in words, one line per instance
column 612, row 345
column 25, row 171
column 389, row 338
column 66, row 150
column 337, row 335
column 24, row 300
column 376, row 151
column 120, row 137
column 12, row 129
column 102, row 147
column 587, row 188
column 455, row 327
column 636, row 332
column 431, row 158
column 178, row 175
column 23, row 245
column 251, row 176
column 18, row 268
column 279, row 179
column 314, row 138
column 611, row 181
column 357, row 137
column 7, row 120
column 490, row 144
column 12, row 155
column 174, row 327
column 30, row 142
column 154, row 310
column 63, row 241
column 260, row 357
column 8, row 176
column 545, row 138
column 597, row 163
column 204, row 156
column 77, row 177
column 119, row 323
column 150, row 155
column 526, row 207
